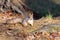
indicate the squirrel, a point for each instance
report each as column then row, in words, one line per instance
column 21, row 9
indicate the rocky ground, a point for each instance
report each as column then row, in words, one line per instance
column 43, row 29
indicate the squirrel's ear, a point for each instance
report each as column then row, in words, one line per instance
column 30, row 13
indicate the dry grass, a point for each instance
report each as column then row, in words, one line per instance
column 16, row 31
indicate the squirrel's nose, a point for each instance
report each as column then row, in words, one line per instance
column 30, row 22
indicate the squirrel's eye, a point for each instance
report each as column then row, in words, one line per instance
column 28, row 17
column 3, row 6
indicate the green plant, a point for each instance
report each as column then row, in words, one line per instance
column 49, row 15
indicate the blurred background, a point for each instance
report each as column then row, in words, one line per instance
column 43, row 8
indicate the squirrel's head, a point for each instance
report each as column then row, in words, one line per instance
column 29, row 20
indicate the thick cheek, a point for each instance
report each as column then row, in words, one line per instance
column 25, row 23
